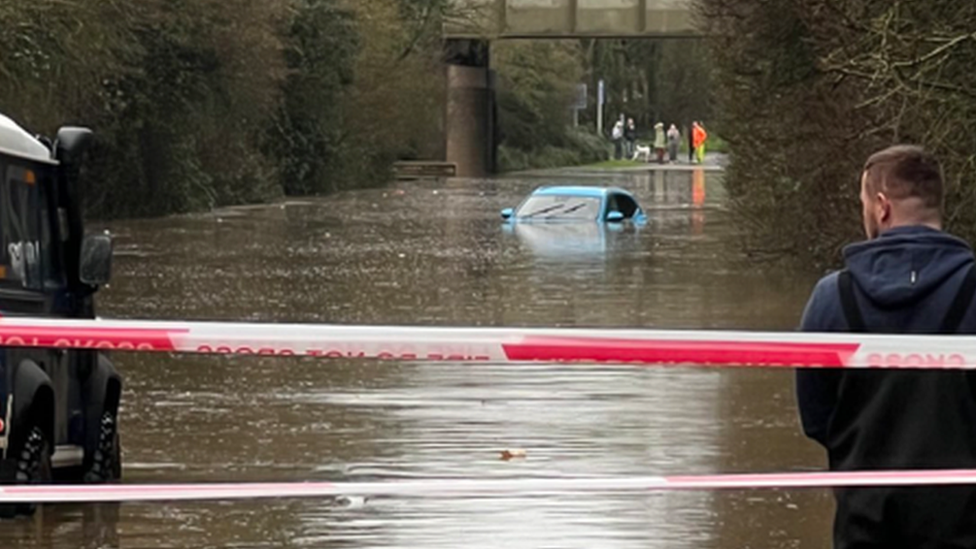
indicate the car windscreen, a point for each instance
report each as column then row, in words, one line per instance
column 24, row 225
column 556, row 206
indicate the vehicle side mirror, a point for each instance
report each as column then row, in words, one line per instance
column 507, row 213
column 71, row 144
column 96, row 259
column 615, row 217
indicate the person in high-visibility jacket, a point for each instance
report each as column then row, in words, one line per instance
column 698, row 138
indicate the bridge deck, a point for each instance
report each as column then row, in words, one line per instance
column 573, row 19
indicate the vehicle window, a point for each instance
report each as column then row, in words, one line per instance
column 559, row 207
column 612, row 205
column 626, row 205
column 24, row 240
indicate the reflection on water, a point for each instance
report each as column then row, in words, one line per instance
column 572, row 241
column 437, row 253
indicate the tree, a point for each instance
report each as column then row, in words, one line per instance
column 652, row 80
column 308, row 132
column 179, row 126
column 808, row 89
column 537, row 83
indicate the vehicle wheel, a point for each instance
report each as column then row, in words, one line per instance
column 106, row 463
column 33, row 465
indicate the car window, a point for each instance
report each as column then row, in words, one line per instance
column 626, row 205
column 555, row 206
column 24, row 242
column 612, row 205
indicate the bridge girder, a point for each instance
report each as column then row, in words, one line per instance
column 501, row 19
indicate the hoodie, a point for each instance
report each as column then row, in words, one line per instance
column 904, row 282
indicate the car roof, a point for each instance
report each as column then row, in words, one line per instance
column 15, row 140
column 578, row 190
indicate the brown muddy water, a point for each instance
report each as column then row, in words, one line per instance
column 438, row 254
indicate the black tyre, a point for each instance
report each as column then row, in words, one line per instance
column 106, row 462
column 33, row 465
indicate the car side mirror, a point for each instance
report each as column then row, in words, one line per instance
column 71, row 143
column 615, row 217
column 507, row 213
column 95, row 267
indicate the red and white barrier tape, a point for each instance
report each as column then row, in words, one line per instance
column 710, row 348
column 471, row 487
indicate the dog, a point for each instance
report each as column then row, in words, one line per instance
column 642, row 151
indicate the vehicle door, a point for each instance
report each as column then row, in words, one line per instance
column 30, row 281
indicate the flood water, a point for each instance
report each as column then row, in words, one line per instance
column 426, row 253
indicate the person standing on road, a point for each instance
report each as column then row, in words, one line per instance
column 660, row 142
column 909, row 277
column 617, row 136
column 691, row 142
column 699, row 136
column 674, row 138
column 630, row 136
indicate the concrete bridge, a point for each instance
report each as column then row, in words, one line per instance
column 570, row 18
column 470, row 118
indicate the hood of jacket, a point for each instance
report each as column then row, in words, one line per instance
column 906, row 264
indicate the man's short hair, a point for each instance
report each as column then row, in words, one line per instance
column 906, row 171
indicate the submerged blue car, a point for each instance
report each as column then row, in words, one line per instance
column 577, row 203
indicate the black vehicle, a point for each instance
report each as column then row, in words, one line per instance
column 58, row 407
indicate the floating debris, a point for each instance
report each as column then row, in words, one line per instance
column 513, row 453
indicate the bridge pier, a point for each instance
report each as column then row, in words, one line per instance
column 470, row 121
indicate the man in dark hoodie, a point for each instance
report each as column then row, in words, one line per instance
column 908, row 277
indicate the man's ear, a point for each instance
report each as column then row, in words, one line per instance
column 884, row 207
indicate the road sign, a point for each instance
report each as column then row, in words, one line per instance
column 581, row 97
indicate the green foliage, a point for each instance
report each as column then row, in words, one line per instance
column 537, row 83
column 715, row 144
column 582, row 148
column 307, row 135
column 652, row 81
column 201, row 103
column 43, row 47
column 809, row 89
column 180, row 128
column 684, row 85
column 649, row 80
column 537, row 86
column 395, row 105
